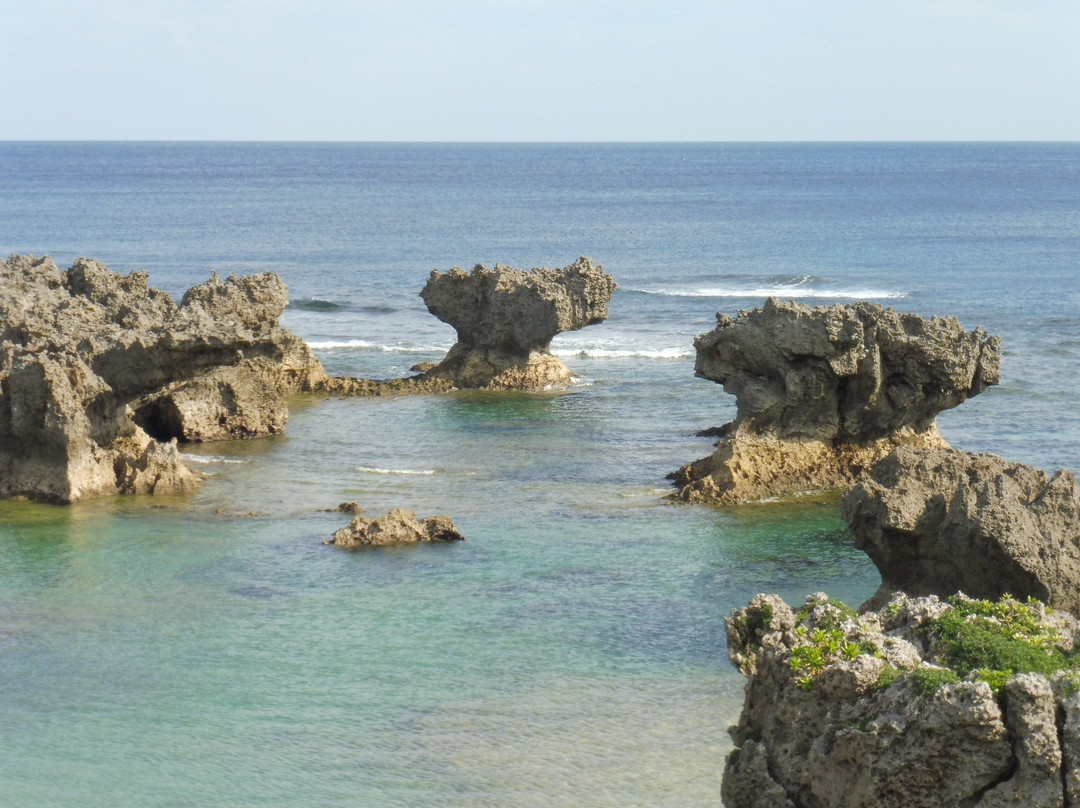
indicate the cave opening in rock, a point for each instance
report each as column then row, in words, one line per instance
column 161, row 420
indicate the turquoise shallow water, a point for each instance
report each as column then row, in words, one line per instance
column 195, row 651
column 210, row 650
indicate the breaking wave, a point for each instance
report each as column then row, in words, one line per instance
column 315, row 304
column 807, row 286
column 197, row 458
column 613, row 353
column 409, row 472
column 364, row 345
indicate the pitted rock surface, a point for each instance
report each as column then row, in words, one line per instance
column 945, row 521
column 505, row 319
column 399, row 526
column 851, row 739
column 822, row 393
column 99, row 373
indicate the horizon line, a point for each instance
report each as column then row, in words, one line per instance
column 284, row 141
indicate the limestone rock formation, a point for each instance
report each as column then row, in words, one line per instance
column 846, row 711
column 99, row 373
column 400, row 526
column 945, row 521
column 506, row 318
column 822, row 393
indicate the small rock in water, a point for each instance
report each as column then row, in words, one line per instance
column 346, row 507
column 400, row 526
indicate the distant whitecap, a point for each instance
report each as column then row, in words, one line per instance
column 410, row 472
column 331, row 344
column 793, row 290
column 628, row 353
column 364, row 345
column 198, row 458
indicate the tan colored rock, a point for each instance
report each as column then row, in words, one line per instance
column 99, row 372
column 376, row 388
column 944, row 521
column 1069, row 698
column 822, row 393
column 842, row 737
column 748, row 468
column 505, row 319
column 1031, row 718
column 400, row 526
column 228, row 403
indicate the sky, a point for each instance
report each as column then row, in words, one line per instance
column 540, row 70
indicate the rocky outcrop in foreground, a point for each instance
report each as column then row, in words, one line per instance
column 923, row 704
column 400, row 526
column 100, row 374
column 505, row 319
column 824, row 392
column 944, row 521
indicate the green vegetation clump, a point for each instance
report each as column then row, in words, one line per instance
column 997, row 640
column 832, row 617
column 822, row 647
column 928, row 681
column 1069, row 683
column 991, row 640
column 888, row 675
column 753, row 624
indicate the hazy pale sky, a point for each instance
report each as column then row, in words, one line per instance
column 522, row 70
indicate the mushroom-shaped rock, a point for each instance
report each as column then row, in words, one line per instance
column 505, row 319
column 942, row 521
column 99, row 372
column 400, row 526
column 821, row 393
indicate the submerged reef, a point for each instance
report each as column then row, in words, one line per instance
column 822, row 393
column 922, row 704
column 400, row 526
column 942, row 521
column 505, row 319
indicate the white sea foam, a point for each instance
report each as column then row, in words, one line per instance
column 364, row 345
column 377, row 470
column 613, row 353
column 352, row 343
column 198, row 458
column 778, row 291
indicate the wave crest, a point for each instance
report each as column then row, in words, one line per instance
column 792, row 290
column 364, row 345
column 407, row 472
column 315, row 304
column 629, row 353
column 200, row 458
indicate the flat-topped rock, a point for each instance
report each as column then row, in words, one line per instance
column 505, row 319
column 938, row 522
column 400, row 526
column 822, row 393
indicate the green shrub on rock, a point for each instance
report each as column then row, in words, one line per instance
column 998, row 639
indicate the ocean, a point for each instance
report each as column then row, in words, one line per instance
column 209, row 650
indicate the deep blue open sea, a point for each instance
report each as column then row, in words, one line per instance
column 209, row 650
